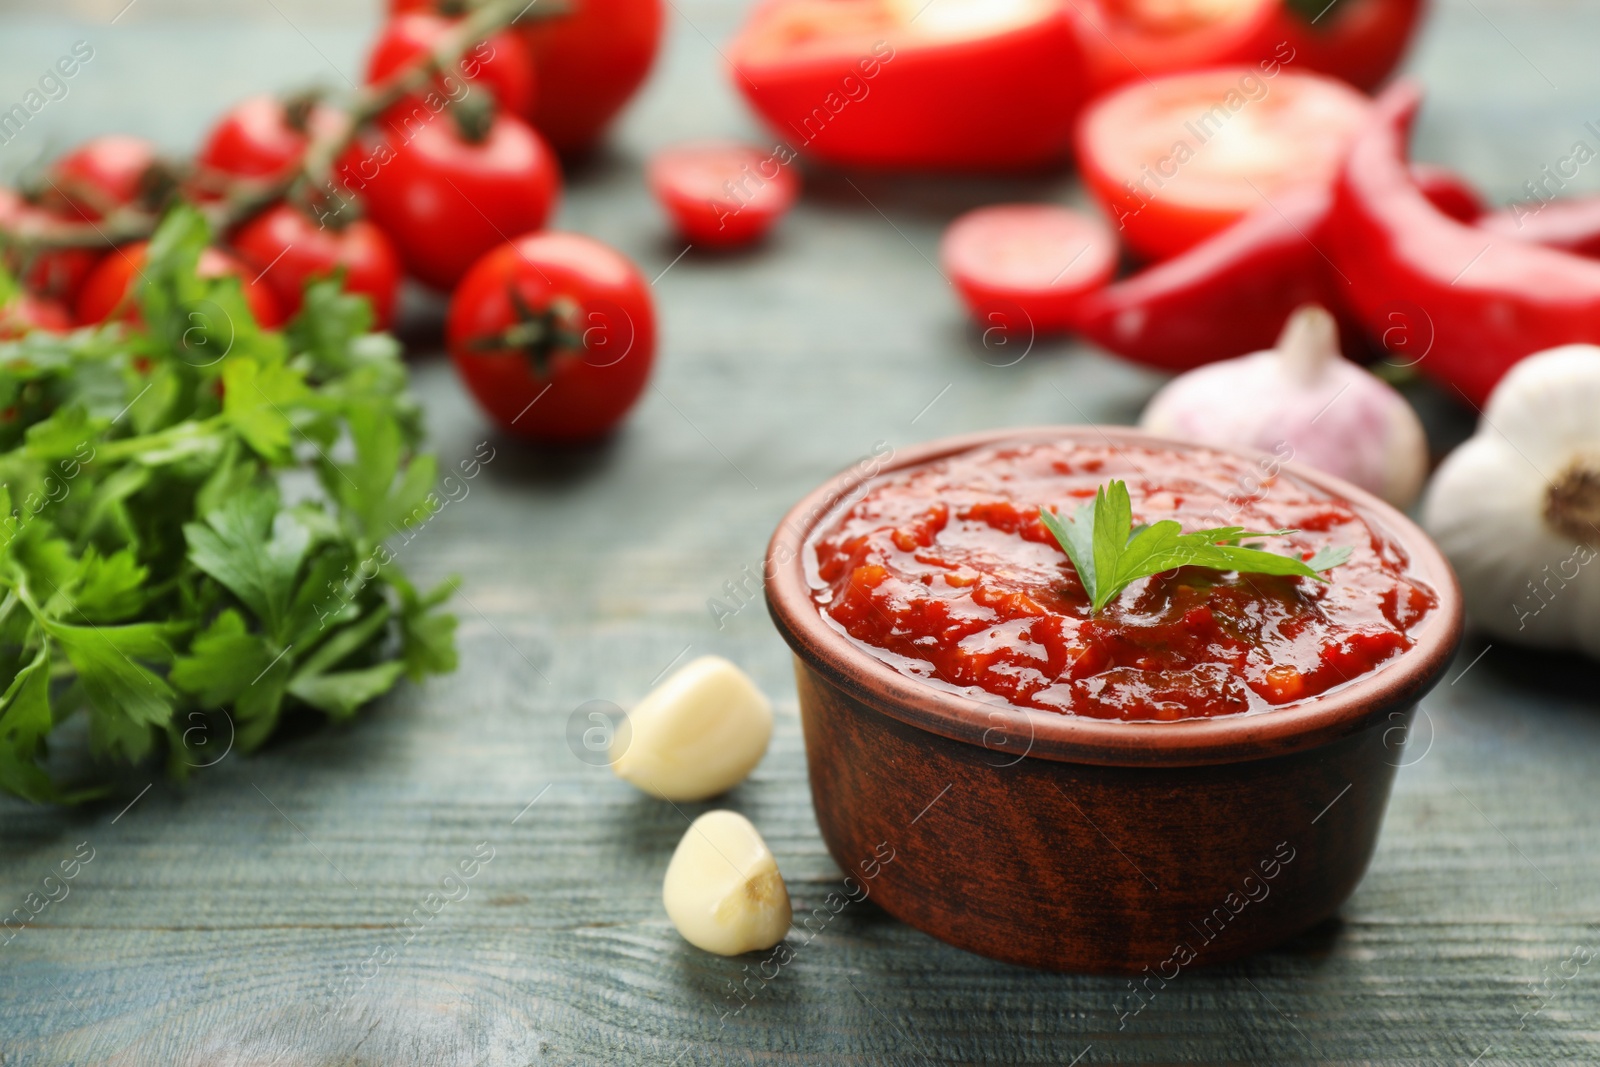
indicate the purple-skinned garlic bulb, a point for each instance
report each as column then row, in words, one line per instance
column 1305, row 401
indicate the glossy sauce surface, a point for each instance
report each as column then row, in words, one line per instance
column 945, row 572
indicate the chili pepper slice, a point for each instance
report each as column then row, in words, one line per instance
column 1225, row 297
column 1573, row 225
column 1490, row 299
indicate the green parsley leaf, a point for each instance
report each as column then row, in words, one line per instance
column 1109, row 554
column 24, row 725
column 222, row 662
column 255, row 551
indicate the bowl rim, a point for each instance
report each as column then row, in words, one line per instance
column 1014, row 733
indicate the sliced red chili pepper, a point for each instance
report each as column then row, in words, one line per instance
column 1570, row 224
column 1490, row 300
column 1226, row 296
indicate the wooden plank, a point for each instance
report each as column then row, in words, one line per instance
column 257, row 916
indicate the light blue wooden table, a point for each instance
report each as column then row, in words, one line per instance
column 244, row 920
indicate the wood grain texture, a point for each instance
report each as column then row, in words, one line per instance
column 231, row 923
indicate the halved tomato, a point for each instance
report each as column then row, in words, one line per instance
column 1177, row 159
column 1022, row 265
column 969, row 85
column 723, row 194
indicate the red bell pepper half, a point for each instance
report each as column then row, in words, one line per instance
column 1135, row 40
column 1572, row 224
column 1227, row 296
column 964, row 85
column 1490, row 299
column 1449, row 191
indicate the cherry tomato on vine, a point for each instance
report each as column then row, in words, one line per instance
column 554, row 334
column 108, row 292
column 1025, row 267
column 25, row 312
column 1177, row 159
column 56, row 275
column 501, row 62
column 101, row 175
column 723, row 194
column 449, row 189
column 969, row 85
column 590, row 61
column 1124, row 40
column 263, row 137
column 288, row 250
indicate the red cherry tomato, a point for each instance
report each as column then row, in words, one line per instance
column 724, row 194
column 966, row 85
column 27, row 312
column 1177, row 159
column 100, row 175
column 264, row 137
column 502, row 62
column 554, row 334
column 445, row 198
column 1124, row 40
column 108, row 291
column 590, row 61
column 55, row 275
column 287, row 250
column 1449, row 191
column 1361, row 41
column 1025, row 267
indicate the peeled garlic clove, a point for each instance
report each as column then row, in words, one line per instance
column 1304, row 401
column 697, row 734
column 723, row 891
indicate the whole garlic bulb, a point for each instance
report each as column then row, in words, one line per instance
column 1302, row 400
column 1517, row 507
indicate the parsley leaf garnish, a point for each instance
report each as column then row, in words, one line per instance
column 1109, row 554
column 192, row 521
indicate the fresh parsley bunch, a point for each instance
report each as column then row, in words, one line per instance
column 192, row 523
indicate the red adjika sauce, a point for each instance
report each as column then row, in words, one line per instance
column 945, row 572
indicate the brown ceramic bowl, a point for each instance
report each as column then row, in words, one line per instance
column 1092, row 845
